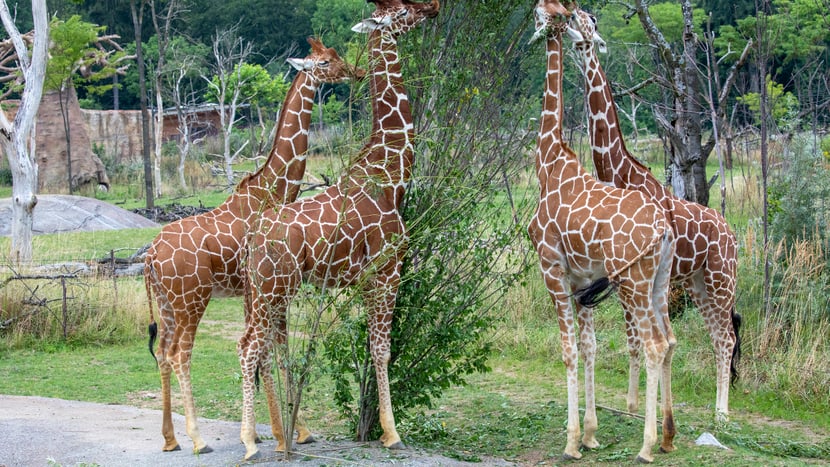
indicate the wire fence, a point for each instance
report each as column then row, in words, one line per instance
column 60, row 291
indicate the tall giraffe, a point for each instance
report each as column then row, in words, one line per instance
column 352, row 234
column 198, row 257
column 705, row 259
column 589, row 237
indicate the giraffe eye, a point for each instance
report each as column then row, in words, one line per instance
column 403, row 13
column 323, row 64
column 594, row 20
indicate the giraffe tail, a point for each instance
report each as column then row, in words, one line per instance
column 736, row 351
column 592, row 294
column 152, row 329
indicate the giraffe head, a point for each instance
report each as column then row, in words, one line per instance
column 397, row 16
column 582, row 29
column 325, row 66
column 551, row 18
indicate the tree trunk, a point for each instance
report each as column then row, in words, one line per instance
column 367, row 411
column 687, row 165
column 159, row 128
column 63, row 98
column 145, row 115
column 15, row 136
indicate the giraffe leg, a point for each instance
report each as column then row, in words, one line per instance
column 653, row 368
column 166, row 331
column 634, row 344
column 249, row 358
column 588, row 346
column 274, row 409
column 381, row 302
column 555, row 283
column 669, row 427
column 662, row 327
column 273, row 278
column 635, row 291
column 170, row 443
column 304, row 435
column 570, row 359
column 190, row 308
column 182, row 369
column 716, row 310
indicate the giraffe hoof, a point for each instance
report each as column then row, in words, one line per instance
column 643, row 460
column 307, row 440
column 256, row 455
column 203, row 450
column 175, row 447
column 398, row 445
column 667, row 449
column 568, row 457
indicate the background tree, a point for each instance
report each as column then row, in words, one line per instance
column 332, row 21
column 682, row 121
column 163, row 26
column 225, row 87
column 185, row 67
column 137, row 14
column 263, row 94
column 276, row 26
column 16, row 134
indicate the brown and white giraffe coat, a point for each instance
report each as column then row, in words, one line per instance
column 705, row 259
column 587, row 234
column 201, row 256
column 351, row 234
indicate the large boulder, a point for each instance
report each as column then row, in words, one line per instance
column 65, row 213
column 51, row 147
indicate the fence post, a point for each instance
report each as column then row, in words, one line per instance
column 64, row 309
column 114, row 278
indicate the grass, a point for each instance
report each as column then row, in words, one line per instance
column 515, row 412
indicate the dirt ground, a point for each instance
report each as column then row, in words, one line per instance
column 38, row 431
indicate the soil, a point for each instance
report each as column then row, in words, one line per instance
column 39, row 431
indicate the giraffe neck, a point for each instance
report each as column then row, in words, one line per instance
column 612, row 161
column 553, row 158
column 388, row 162
column 285, row 166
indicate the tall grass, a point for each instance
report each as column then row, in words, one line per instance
column 67, row 296
column 90, row 311
column 787, row 344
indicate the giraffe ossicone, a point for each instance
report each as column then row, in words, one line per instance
column 196, row 258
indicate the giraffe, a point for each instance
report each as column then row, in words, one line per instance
column 705, row 259
column 195, row 258
column 591, row 237
column 352, row 234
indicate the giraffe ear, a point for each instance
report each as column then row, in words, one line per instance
column 600, row 44
column 540, row 32
column 297, row 63
column 366, row 26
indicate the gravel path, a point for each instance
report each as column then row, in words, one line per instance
column 39, row 431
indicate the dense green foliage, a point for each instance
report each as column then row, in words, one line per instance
column 797, row 30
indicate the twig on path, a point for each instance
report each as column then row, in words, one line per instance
column 623, row 412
